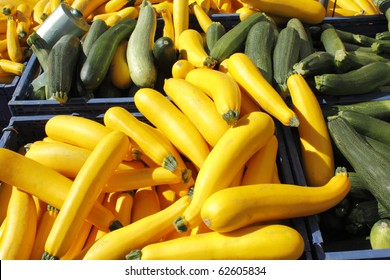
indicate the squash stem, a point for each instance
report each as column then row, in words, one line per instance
column 180, row 224
column 115, row 225
column 231, row 117
column 48, row 257
column 186, row 175
column 294, row 122
column 170, row 163
column 134, row 255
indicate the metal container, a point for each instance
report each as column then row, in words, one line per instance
column 64, row 20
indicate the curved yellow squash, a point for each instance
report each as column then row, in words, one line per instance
column 269, row 202
column 225, row 160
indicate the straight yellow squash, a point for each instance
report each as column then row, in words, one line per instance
column 266, row 242
column 316, row 145
column 87, row 186
column 312, row 12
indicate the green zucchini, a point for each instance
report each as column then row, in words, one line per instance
column 380, row 234
column 306, row 43
column 317, row 63
column 61, row 65
column 358, row 48
column 213, row 33
column 366, row 162
column 140, row 57
column 379, row 146
column 365, row 79
column 366, row 212
column 285, row 55
column 259, row 47
column 346, row 61
column 40, row 48
column 384, row 7
column 368, row 126
column 99, row 58
column 358, row 189
column 234, row 39
column 98, row 27
column 165, row 54
column 375, row 108
column 331, row 41
column 385, row 35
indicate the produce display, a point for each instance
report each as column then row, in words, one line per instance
column 195, row 164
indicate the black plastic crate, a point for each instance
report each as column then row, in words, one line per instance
column 26, row 129
column 322, row 247
column 6, row 91
column 20, row 105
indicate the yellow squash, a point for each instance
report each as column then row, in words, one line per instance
column 191, row 47
column 269, row 202
column 13, row 45
column 316, row 145
column 267, row 242
column 149, row 142
column 116, row 244
column 168, row 30
column 201, row 15
column 180, row 16
column 260, row 167
column 75, row 130
column 146, row 202
column 43, row 230
column 235, row 147
column 245, row 73
column 17, row 238
column 119, row 70
column 222, row 88
column 87, row 186
column 311, row 12
column 132, row 179
column 198, row 107
column 165, row 116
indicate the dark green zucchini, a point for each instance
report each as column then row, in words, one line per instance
column 285, row 55
column 317, row 63
column 370, row 165
column 306, row 43
column 375, row 108
column 61, row 65
column 98, row 61
column 368, row 126
column 234, row 39
column 259, row 47
column 213, row 33
column 365, row 79
column 165, row 54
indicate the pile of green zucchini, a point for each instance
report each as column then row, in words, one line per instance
column 361, row 136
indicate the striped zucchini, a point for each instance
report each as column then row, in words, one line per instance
column 213, row 33
column 306, row 43
column 235, row 38
column 61, row 65
column 317, row 63
column 359, row 81
column 285, row 55
column 259, row 47
column 373, row 169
